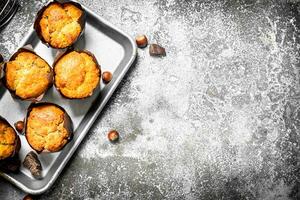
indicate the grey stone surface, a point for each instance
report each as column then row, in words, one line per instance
column 218, row 118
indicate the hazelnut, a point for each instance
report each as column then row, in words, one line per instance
column 141, row 41
column 106, row 77
column 113, row 136
column 32, row 162
column 19, row 125
column 28, row 197
column 157, row 50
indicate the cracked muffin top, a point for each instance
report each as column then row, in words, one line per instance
column 77, row 74
column 46, row 128
column 59, row 24
column 8, row 140
column 27, row 75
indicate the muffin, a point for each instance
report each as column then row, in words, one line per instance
column 1, row 62
column 60, row 24
column 9, row 140
column 1, row 59
column 76, row 74
column 48, row 127
column 27, row 75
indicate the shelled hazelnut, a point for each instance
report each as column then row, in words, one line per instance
column 19, row 125
column 28, row 197
column 141, row 41
column 113, row 136
column 107, row 76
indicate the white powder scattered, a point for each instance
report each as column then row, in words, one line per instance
column 206, row 116
column 165, row 113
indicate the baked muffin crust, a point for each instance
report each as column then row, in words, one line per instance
column 46, row 128
column 59, row 24
column 8, row 140
column 77, row 74
column 28, row 75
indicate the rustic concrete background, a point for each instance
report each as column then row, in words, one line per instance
column 218, row 118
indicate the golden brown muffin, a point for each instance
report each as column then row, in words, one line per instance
column 48, row 127
column 76, row 74
column 60, row 24
column 27, row 75
column 9, row 143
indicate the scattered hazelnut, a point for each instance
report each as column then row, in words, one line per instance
column 106, row 77
column 113, row 136
column 19, row 125
column 28, row 197
column 157, row 50
column 141, row 41
column 33, row 163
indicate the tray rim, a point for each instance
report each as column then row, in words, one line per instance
column 93, row 117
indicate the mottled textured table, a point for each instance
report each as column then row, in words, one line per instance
column 218, row 118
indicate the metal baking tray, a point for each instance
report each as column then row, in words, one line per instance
column 115, row 52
